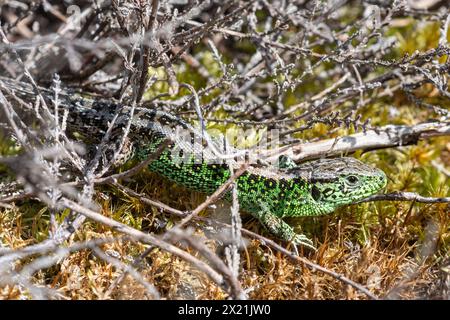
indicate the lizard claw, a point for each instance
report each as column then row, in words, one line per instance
column 300, row 239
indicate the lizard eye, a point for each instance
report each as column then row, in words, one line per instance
column 352, row 179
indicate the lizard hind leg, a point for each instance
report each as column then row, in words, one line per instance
column 109, row 153
column 281, row 229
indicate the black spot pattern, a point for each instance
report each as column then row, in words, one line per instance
column 283, row 184
column 270, row 183
column 315, row 193
column 327, row 192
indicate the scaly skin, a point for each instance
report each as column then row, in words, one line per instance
column 312, row 189
column 270, row 193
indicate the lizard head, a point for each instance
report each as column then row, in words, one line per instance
column 337, row 182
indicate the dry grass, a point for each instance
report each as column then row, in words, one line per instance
column 380, row 245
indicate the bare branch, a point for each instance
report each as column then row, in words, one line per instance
column 406, row 196
column 383, row 137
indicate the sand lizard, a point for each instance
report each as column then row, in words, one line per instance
column 269, row 193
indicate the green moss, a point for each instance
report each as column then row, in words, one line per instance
column 417, row 36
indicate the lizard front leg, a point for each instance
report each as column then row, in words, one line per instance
column 281, row 229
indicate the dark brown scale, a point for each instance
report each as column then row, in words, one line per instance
column 299, row 182
column 253, row 178
column 270, row 183
column 283, row 184
column 315, row 193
